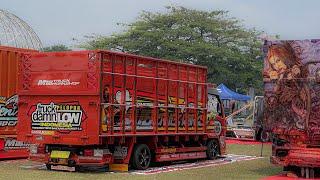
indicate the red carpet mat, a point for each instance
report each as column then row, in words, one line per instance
column 284, row 177
column 244, row 142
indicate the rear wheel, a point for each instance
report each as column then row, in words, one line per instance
column 79, row 168
column 141, row 157
column 212, row 149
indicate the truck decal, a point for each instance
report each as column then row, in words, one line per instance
column 57, row 117
column 14, row 144
column 8, row 111
column 57, row 82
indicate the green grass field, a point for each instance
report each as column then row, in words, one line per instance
column 253, row 169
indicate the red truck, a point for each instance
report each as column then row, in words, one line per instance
column 292, row 104
column 9, row 146
column 116, row 110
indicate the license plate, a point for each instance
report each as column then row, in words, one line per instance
column 63, row 168
column 60, row 154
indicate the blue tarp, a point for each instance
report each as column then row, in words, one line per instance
column 227, row 94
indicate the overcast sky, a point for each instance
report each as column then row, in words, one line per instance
column 58, row 21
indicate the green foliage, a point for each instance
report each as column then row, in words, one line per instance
column 56, row 48
column 213, row 39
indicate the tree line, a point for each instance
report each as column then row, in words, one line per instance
column 231, row 51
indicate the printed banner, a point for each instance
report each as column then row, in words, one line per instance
column 14, row 144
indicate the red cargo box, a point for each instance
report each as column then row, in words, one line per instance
column 9, row 146
column 79, row 97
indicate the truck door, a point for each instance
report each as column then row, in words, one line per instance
column 215, row 113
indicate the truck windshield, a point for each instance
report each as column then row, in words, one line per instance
column 214, row 107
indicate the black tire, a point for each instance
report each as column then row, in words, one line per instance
column 141, row 157
column 286, row 168
column 48, row 166
column 212, row 150
column 79, row 168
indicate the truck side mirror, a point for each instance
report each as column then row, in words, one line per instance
column 219, row 109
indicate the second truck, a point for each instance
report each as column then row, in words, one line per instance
column 292, row 104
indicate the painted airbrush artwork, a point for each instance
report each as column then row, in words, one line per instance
column 292, row 87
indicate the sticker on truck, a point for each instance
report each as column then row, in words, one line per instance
column 14, row 144
column 8, row 111
column 58, row 82
column 57, row 116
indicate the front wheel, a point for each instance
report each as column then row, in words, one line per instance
column 141, row 157
column 212, row 149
